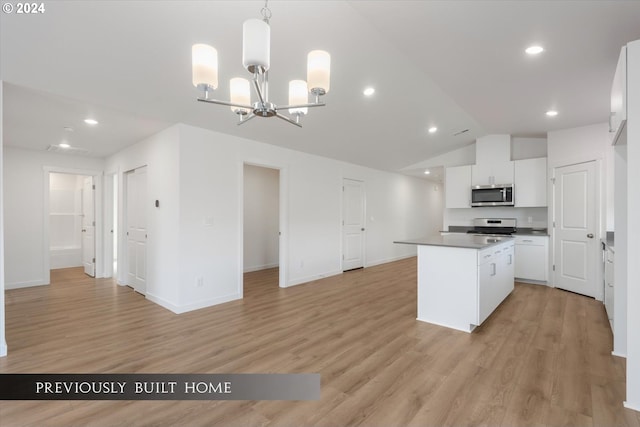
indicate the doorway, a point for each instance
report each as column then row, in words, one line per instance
column 261, row 225
column 135, row 227
column 353, row 224
column 576, row 246
column 72, row 223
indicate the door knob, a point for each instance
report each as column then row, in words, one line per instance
column 590, row 235
column 362, row 229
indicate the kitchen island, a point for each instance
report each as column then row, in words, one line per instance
column 462, row 278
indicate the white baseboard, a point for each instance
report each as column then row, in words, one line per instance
column 631, row 406
column 260, row 267
column 208, row 303
column 531, row 282
column 308, row 279
column 179, row 309
column 388, row 260
column 29, row 284
column 3, row 349
column 615, row 353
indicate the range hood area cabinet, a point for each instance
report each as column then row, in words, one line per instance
column 493, row 173
column 493, row 161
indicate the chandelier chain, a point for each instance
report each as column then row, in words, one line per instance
column 266, row 12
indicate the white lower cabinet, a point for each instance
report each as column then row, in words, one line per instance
column 608, row 284
column 495, row 278
column 531, row 258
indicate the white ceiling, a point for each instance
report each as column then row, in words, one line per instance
column 453, row 64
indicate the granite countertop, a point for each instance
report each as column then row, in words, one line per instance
column 457, row 240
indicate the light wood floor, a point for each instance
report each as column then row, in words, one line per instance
column 543, row 358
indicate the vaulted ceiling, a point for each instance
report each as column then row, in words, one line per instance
column 457, row 65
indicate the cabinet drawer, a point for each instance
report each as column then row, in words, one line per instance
column 531, row 240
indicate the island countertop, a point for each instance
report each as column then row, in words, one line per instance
column 455, row 240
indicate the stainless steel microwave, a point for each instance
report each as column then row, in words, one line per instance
column 492, row 195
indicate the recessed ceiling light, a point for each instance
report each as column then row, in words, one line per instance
column 433, row 129
column 91, row 121
column 534, row 50
column 427, row 172
column 552, row 113
column 64, row 145
column 68, row 128
column 369, row 91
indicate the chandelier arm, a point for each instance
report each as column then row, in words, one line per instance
column 242, row 120
column 256, row 86
column 228, row 104
column 287, row 119
column 285, row 107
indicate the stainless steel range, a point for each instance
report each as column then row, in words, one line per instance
column 496, row 226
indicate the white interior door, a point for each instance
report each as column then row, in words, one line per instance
column 88, row 227
column 136, row 226
column 576, row 248
column 353, row 215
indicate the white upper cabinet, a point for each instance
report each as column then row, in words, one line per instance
column 530, row 185
column 619, row 96
column 458, row 187
column 492, row 173
column 493, row 161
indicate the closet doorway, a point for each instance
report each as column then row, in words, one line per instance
column 72, row 224
column 261, row 226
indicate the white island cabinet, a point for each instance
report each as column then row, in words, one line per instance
column 462, row 278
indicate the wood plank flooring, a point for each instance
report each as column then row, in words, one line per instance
column 543, row 358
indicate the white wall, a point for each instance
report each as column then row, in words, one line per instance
column 579, row 145
column 197, row 232
column 161, row 154
column 3, row 341
column 261, row 217
column 528, row 148
column 26, row 242
column 633, row 226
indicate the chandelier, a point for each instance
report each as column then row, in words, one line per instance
column 256, row 46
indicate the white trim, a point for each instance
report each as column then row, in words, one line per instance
column 259, row 267
column 28, row 284
column 194, row 306
column 633, row 407
column 3, row 349
column 364, row 222
column 618, row 354
column 283, row 221
column 97, row 181
column 388, row 260
column 308, row 279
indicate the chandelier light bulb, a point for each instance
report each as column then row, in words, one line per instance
column 298, row 94
column 204, row 66
column 318, row 71
column 240, row 93
column 256, row 45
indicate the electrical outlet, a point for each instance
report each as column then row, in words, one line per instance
column 199, row 281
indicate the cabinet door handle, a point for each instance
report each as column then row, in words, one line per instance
column 528, row 241
column 493, row 267
column 510, row 259
column 590, row 235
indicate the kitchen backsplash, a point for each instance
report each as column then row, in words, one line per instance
column 465, row 217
